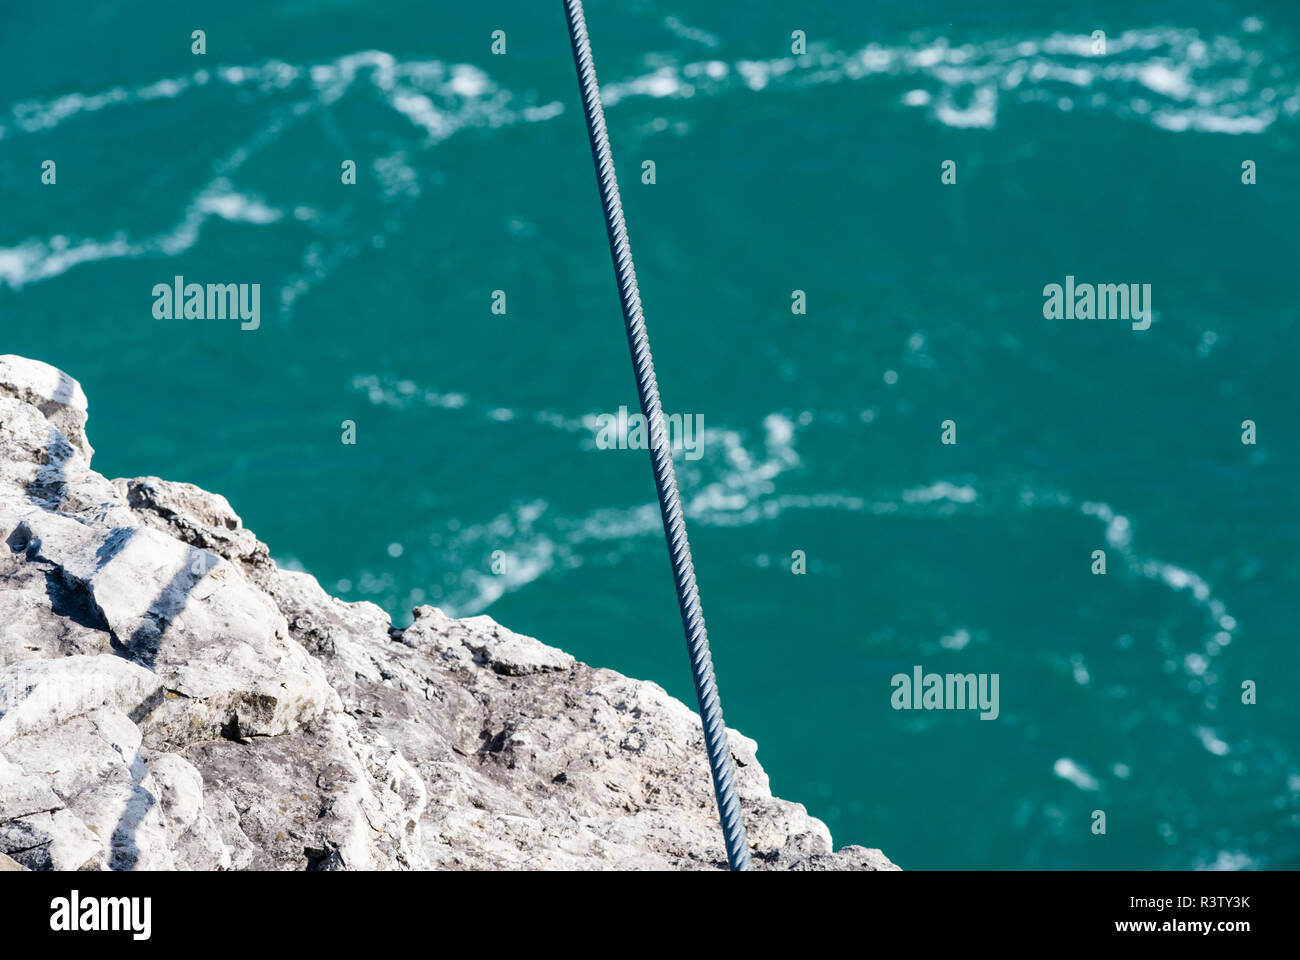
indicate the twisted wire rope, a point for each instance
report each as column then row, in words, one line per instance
column 661, row 458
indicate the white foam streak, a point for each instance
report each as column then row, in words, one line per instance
column 1068, row 770
column 1208, row 85
column 436, row 98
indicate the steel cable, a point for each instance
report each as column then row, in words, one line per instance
column 661, row 458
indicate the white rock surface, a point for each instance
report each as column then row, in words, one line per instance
column 171, row 699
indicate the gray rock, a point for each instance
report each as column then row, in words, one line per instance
column 172, row 699
column 53, row 393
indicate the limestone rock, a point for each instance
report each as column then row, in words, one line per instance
column 172, row 699
column 53, row 393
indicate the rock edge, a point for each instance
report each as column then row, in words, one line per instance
column 172, row 699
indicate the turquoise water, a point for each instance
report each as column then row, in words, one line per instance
column 774, row 173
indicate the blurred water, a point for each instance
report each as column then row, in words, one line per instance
column 476, row 432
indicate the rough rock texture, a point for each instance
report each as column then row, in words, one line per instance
column 171, row 699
